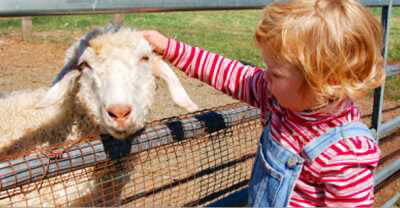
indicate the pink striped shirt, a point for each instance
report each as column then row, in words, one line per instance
column 342, row 176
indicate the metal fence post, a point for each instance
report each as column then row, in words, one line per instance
column 118, row 19
column 379, row 92
column 26, row 28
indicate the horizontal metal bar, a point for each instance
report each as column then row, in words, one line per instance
column 389, row 126
column 392, row 201
column 34, row 167
column 392, row 69
column 380, row 2
column 14, row 8
column 386, row 172
column 60, row 7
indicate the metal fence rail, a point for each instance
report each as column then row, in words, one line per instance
column 388, row 127
column 392, row 125
column 30, row 168
column 392, row 70
column 187, row 161
column 10, row 8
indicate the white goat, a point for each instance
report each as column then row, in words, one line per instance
column 106, row 86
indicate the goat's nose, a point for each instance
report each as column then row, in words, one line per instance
column 119, row 112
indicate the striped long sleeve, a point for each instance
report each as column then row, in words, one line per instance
column 240, row 81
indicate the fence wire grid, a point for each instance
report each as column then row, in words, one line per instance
column 191, row 160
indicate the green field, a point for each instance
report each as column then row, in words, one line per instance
column 229, row 33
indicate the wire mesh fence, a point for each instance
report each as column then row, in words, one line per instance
column 190, row 160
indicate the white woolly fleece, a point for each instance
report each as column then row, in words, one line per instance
column 119, row 69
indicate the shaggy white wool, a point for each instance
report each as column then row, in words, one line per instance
column 111, row 69
column 24, row 127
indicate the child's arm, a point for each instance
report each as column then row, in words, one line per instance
column 229, row 76
column 347, row 173
column 240, row 81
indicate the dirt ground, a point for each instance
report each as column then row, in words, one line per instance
column 34, row 63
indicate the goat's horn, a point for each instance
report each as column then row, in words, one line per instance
column 75, row 53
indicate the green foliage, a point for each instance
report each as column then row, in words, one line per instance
column 9, row 23
column 229, row 33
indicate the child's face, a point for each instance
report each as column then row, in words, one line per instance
column 288, row 85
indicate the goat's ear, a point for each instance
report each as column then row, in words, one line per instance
column 178, row 93
column 59, row 90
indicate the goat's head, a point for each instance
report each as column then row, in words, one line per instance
column 115, row 72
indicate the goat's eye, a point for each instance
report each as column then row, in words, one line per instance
column 144, row 58
column 83, row 65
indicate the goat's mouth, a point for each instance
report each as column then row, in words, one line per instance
column 119, row 134
column 122, row 133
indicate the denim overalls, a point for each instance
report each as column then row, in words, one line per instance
column 276, row 169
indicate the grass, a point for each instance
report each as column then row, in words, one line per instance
column 229, row 33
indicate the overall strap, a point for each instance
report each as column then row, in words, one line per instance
column 352, row 129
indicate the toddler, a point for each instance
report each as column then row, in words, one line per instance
column 320, row 55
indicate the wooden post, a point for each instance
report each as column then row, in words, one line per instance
column 26, row 28
column 118, row 19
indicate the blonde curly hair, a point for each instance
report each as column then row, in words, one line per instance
column 336, row 44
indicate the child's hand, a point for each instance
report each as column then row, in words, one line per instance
column 156, row 39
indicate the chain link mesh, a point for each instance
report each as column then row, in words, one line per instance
column 190, row 160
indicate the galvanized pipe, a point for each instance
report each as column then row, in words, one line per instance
column 392, row 201
column 379, row 92
column 62, row 7
column 33, row 167
column 391, row 70
column 18, row 8
column 387, row 172
column 389, row 127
